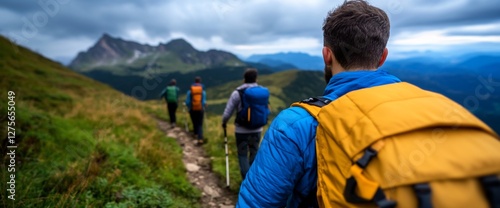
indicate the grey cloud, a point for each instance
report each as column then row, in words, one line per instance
column 235, row 21
column 430, row 13
column 79, row 18
column 246, row 23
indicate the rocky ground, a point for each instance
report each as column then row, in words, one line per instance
column 197, row 163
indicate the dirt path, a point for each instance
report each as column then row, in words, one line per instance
column 199, row 170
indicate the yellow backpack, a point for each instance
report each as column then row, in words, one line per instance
column 397, row 145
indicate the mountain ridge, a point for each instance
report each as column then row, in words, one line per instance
column 108, row 49
column 129, row 57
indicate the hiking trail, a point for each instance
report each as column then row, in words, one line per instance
column 198, row 166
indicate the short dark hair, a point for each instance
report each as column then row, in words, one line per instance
column 357, row 33
column 197, row 79
column 173, row 82
column 250, row 75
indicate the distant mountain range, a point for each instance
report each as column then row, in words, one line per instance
column 124, row 57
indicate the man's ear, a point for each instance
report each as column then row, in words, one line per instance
column 327, row 56
column 383, row 57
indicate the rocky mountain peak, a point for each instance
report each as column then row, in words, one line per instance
column 180, row 46
column 111, row 51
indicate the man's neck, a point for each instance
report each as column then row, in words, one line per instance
column 334, row 72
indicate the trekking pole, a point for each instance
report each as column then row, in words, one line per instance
column 185, row 118
column 227, row 159
column 205, row 118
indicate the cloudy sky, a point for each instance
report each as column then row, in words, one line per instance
column 60, row 29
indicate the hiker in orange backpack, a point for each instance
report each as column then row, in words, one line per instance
column 372, row 140
column 196, row 103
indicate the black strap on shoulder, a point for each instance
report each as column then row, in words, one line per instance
column 317, row 101
column 350, row 192
column 241, row 91
column 423, row 192
column 379, row 199
column 491, row 187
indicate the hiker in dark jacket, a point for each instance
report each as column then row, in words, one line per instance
column 247, row 139
column 171, row 95
column 196, row 103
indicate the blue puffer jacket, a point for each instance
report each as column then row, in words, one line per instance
column 284, row 170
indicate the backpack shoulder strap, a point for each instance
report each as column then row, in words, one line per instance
column 313, row 105
column 241, row 92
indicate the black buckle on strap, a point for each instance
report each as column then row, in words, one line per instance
column 317, row 101
column 369, row 154
column 381, row 200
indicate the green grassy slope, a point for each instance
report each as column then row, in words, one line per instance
column 81, row 143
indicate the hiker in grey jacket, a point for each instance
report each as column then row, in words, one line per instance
column 247, row 140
